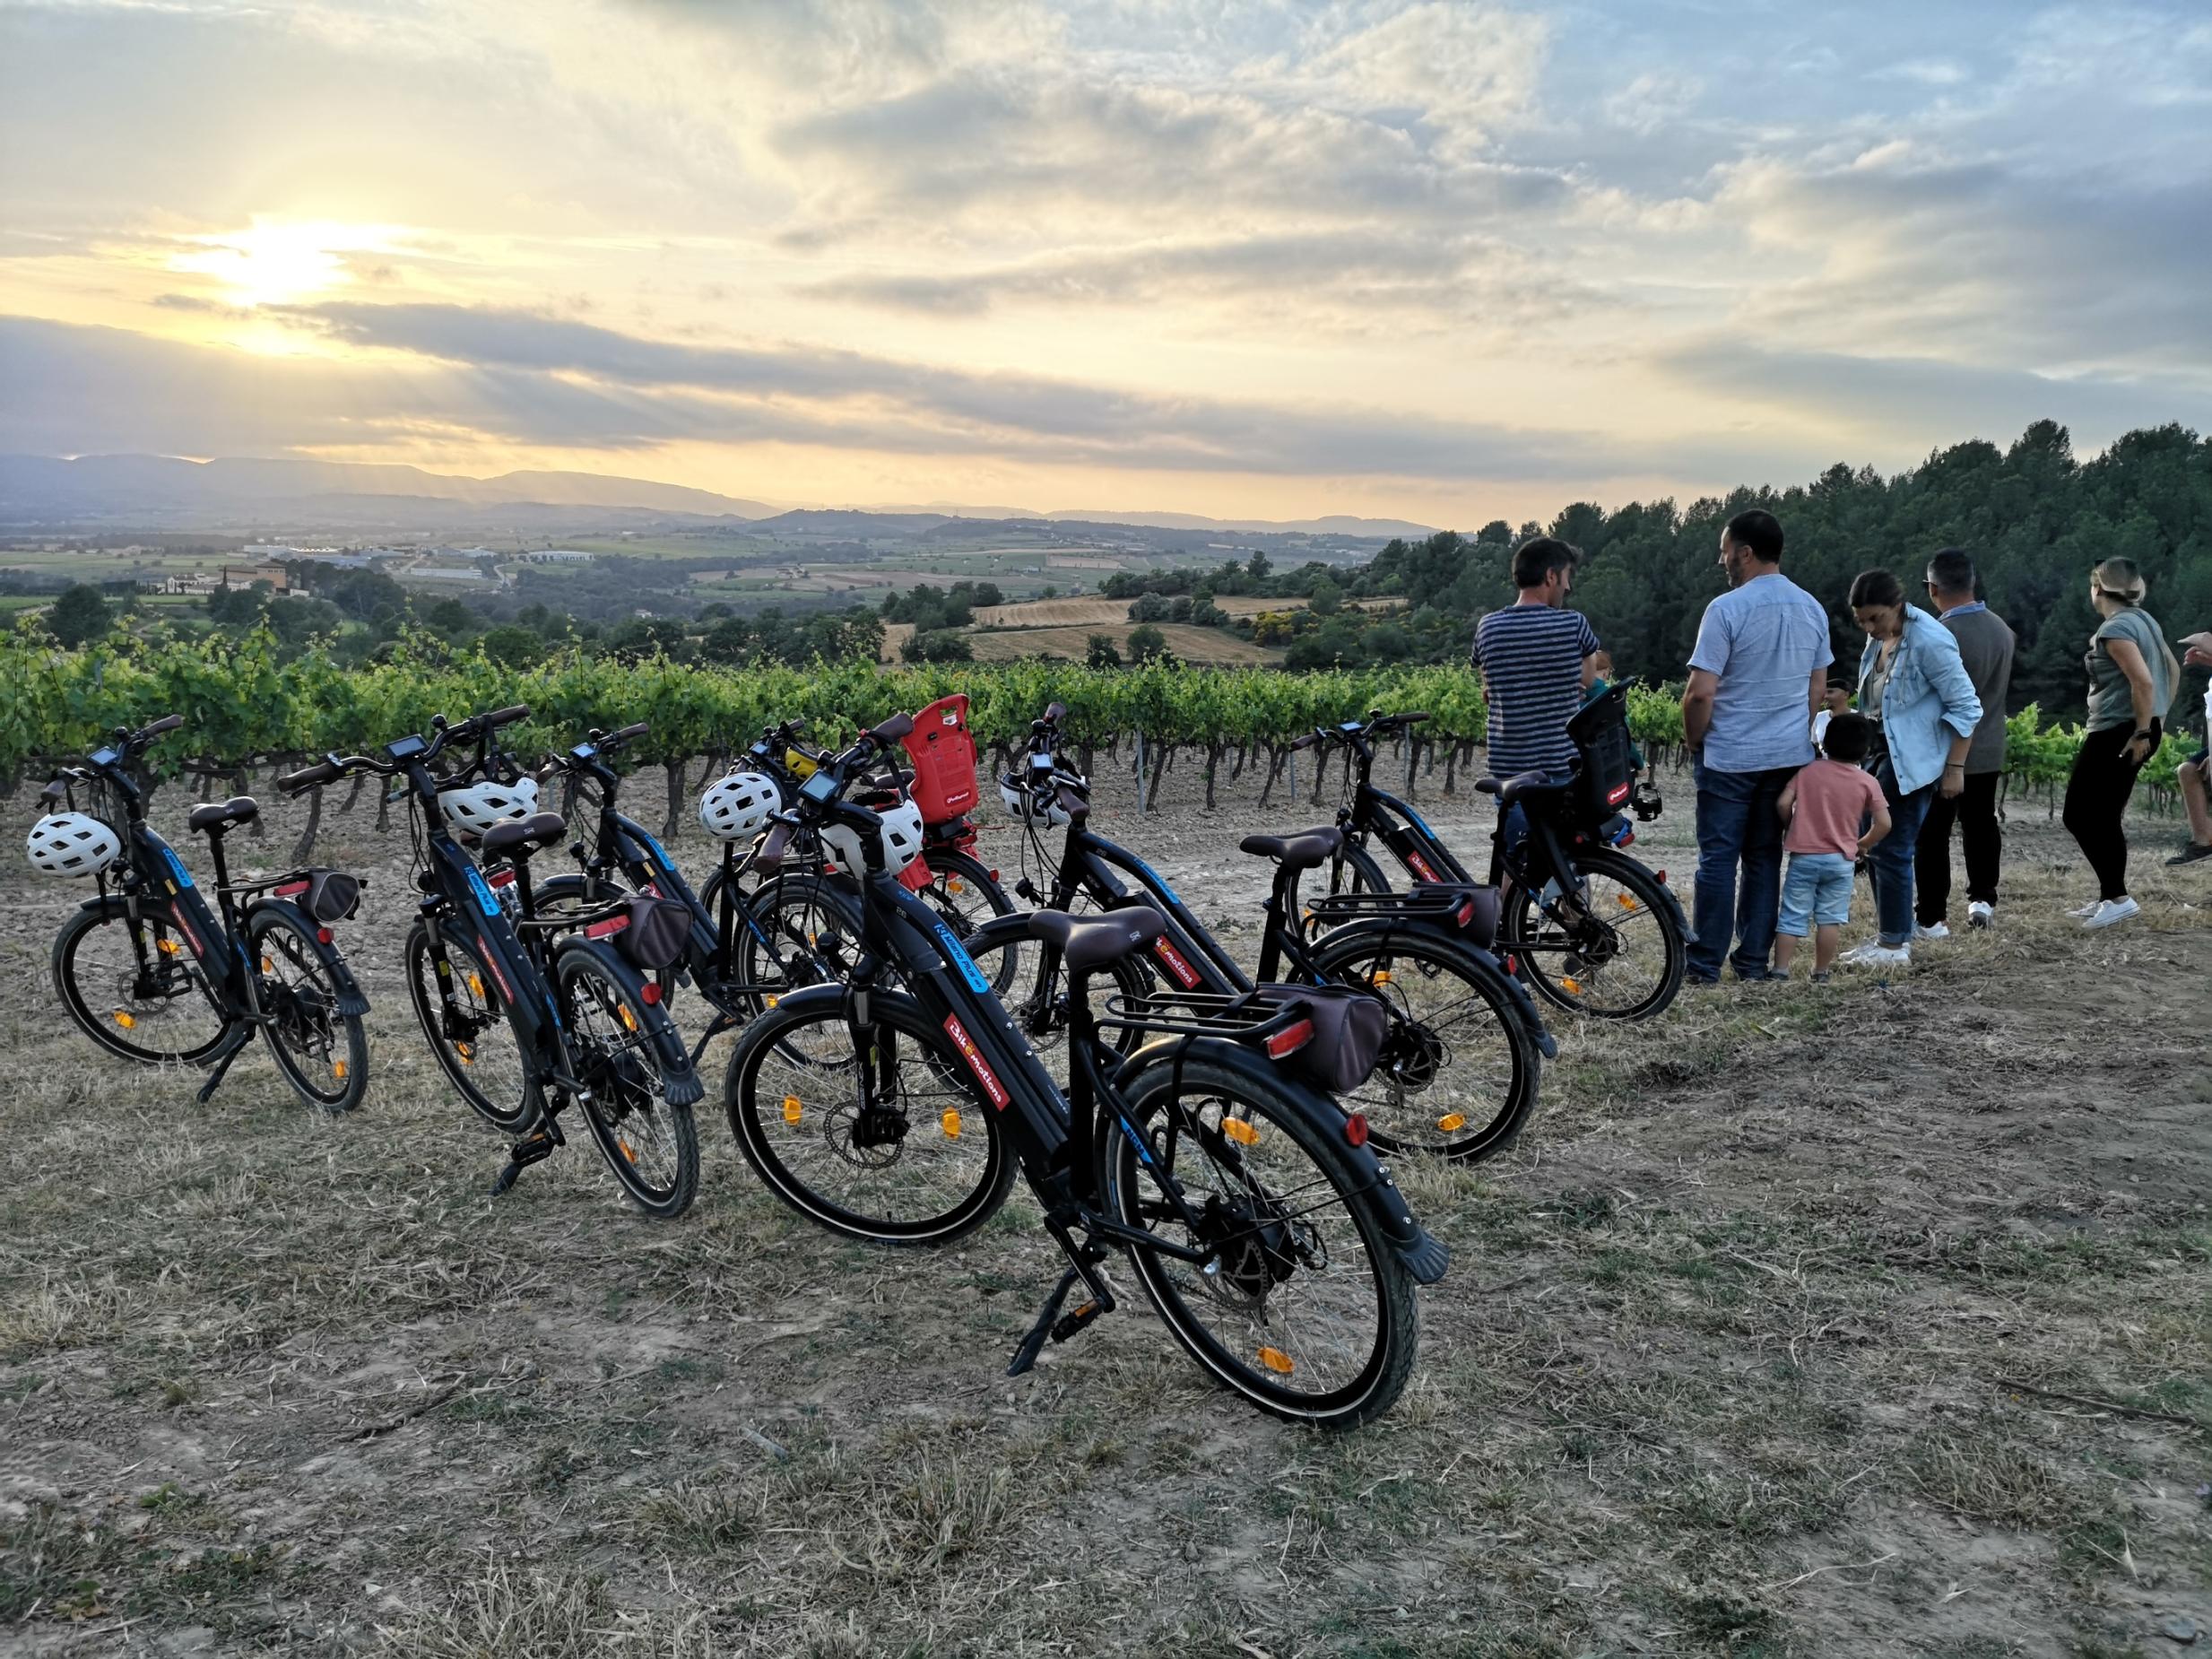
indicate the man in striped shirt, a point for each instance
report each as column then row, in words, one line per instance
column 1536, row 659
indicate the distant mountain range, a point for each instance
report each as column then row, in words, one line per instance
column 165, row 490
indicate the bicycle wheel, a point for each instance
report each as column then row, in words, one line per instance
column 1460, row 1072
column 792, row 931
column 1616, row 953
column 895, row 1151
column 323, row 1054
column 1301, row 1305
column 1040, row 1008
column 965, row 896
column 475, row 1046
column 135, row 986
column 651, row 1144
column 1353, row 870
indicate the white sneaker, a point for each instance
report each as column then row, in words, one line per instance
column 2112, row 910
column 1980, row 913
column 1934, row 930
column 1877, row 955
column 2087, row 910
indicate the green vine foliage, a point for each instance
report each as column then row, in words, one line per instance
column 246, row 706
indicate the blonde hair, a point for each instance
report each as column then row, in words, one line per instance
column 2119, row 578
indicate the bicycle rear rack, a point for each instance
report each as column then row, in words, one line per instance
column 1239, row 1015
column 1425, row 901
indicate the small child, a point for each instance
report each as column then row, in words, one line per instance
column 1824, row 806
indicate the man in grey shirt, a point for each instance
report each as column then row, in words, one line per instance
column 1757, row 675
column 1985, row 644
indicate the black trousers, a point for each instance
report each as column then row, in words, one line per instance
column 2096, row 799
column 1974, row 811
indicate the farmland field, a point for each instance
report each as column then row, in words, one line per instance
column 1193, row 644
column 1866, row 1320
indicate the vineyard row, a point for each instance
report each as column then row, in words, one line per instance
column 246, row 706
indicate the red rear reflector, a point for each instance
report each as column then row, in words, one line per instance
column 1356, row 1129
column 501, row 878
column 650, row 992
column 1511, row 965
column 1466, row 912
column 612, row 925
column 286, row 891
column 1290, row 1039
column 994, row 875
column 322, row 935
column 1662, row 877
column 1617, row 795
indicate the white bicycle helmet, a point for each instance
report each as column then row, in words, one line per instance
column 1040, row 805
column 735, row 807
column 73, row 844
column 902, row 839
column 475, row 809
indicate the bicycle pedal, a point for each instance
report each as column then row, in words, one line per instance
column 1068, row 1324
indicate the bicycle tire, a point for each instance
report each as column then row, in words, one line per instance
column 309, row 1040
column 1459, row 1085
column 1263, row 1248
column 774, row 1066
column 131, row 1021
column 465, row 1056
column 1636, row 891
column 618, row 1040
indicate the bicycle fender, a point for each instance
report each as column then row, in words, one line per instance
column 999, row 931
column 352, row 999
column 1426, row 1257
column 683, row 1087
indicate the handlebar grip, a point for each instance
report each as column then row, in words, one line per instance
column 1415, row 719
column 1306, row 741
column 1054, row 712
column 324, row 771
column 769, row 855
column 502, row 717
column 628, row 731
column 54, row 791
column 167, row 723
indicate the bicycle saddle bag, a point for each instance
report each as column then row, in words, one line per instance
column 1350, row 1027
column 659, row 931
column 326, row 895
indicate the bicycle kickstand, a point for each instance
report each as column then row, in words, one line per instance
column 533, row 1147
column 1058, row 1326
column 223, row 1061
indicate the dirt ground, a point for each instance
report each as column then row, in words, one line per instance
column 1862, row 1320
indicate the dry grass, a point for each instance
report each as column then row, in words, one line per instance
column 1734, row 1358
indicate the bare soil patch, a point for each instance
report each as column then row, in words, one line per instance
column 1869, row 1322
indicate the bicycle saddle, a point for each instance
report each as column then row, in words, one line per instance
column 1302, row 851
column 1511, row 789
column 520, row 836
column 1088, row 942
column 239, row 809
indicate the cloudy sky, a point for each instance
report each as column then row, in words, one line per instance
column 1446, row 261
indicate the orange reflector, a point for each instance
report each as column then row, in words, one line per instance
column 1573, row 987
column 628, row 1151
column 267, row 966
column 951, row 1123
column 123, row 1020
column 337, row 1070
column 462, row 1050
column 1276, row 1361
column 629, row 1020
column 1240, row 1132
column 791, row 1109
column 1452, row 1122
column 1380, row 976
column 167, row 947
column 476, row 986
column 770, row 1000
column 953, row 884
column 1626, row 901
column 1290, row 1039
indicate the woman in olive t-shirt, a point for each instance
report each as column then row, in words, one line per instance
column 2131, row 683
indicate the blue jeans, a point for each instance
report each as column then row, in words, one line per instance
column 1737, row 830
column 1892, row 859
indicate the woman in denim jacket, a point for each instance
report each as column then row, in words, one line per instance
column 1915, row 690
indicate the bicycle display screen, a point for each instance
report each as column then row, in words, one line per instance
column 585, row 751
column 104, row 757
column 406, row 749
column 819, row 788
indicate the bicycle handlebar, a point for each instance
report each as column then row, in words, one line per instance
column 329, row 769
